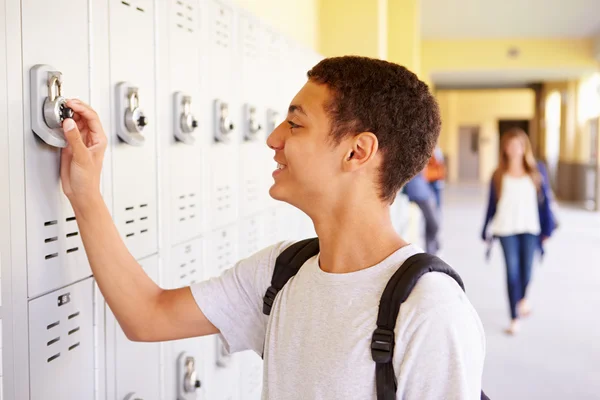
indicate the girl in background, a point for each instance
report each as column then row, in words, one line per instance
column 519, row 215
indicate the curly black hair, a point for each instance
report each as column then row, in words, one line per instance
column 370, row 95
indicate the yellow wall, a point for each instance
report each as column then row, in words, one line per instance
column 491, row 54
column 350, row 27
column 481, row 108
column 296, row 19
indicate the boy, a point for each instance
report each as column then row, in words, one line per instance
column 355, row 134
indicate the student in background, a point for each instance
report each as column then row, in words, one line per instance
column 435, row 173
column 519, row 215
column 419, row 192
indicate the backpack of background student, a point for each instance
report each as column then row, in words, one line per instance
column 396, row 292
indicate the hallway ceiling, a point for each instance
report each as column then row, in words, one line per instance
column 480, row 19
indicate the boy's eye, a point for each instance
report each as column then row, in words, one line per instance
column 293, row 125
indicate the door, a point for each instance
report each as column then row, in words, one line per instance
column 506, row 124
column 468, row 154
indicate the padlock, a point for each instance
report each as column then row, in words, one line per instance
column 187, row 377
column 253, row 127
column 55, row 106
column 190, row 382
column 135, row 120
column 131, row 120
column 48, row 108
column 224, row 125
column 185, row 123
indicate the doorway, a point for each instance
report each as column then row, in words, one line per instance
column 468, row 153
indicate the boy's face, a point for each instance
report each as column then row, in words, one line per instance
column 309, row 166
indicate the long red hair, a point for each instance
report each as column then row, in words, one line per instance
column 529, row 162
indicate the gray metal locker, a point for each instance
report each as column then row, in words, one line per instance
column 221, row 368
column 251, row 238
column 185, row 268
column 55, row 254
column 137, row 371
column 182, row 100
column 223, row 153
column 253, row 68
column 61, row 340
column 134, row 161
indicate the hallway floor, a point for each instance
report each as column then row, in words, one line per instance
column 557, row 353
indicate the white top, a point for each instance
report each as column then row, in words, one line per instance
column 317, row 341
column 517, row 209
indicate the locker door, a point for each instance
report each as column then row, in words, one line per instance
column 251, row 369
column 186, row 269
column 134, row 154
column 222, row 369
column 55, row 253
column 138, row 364
column 186, row 149
column 224, row 156
column 251, row 235
column 251, row 51
column 61, row 340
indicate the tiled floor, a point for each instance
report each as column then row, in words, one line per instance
column 557, row 353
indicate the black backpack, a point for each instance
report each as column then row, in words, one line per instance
column 396, row 292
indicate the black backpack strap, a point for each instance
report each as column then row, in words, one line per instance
column 396, row 292
column 287, row 265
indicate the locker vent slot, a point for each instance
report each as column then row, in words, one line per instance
column 128, row 208
column 129, row 234
column 72, row 234
column 139, row 9
column 222, row 28
column 53, row 325
column 183, row 276
column 49, row 223
column 74, row 315
column 54, row 357
column 143, row 205
column 72, row 331
column 183, row 265
column 71, row 219
column 184, row 16
column 126, row 3
column 74, row 346
column 73, row 250
column 192, row 261
column 131, row 221
column 250, row 42
column 143, row 218
column 52, row 239
column 50, row 343
column 50, row 256
column 144, row 231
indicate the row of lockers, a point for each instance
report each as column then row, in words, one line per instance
column 187, row 92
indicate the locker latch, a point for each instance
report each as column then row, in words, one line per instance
column 187, row 378
column 48, row 106
column 131, row 119
column 223, row 124
column 185, row 123
column 253, row 127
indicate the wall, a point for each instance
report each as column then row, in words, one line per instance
column 471, row 55
column 482, row 108
column 297, row 19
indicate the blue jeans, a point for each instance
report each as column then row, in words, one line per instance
column 518, row 253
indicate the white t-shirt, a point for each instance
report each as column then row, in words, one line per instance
column 517, row 209
column 317, row 341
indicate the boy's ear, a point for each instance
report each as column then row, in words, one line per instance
column 362, row 149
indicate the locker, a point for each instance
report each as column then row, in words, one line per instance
column 221, row 368
column 138, row 364
column 224, row 151
column 251, row 235
column 186, row 149
column 134, row 145
column 252, row 72
column 55, row 254
column 185, row 268
column 61, row 340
